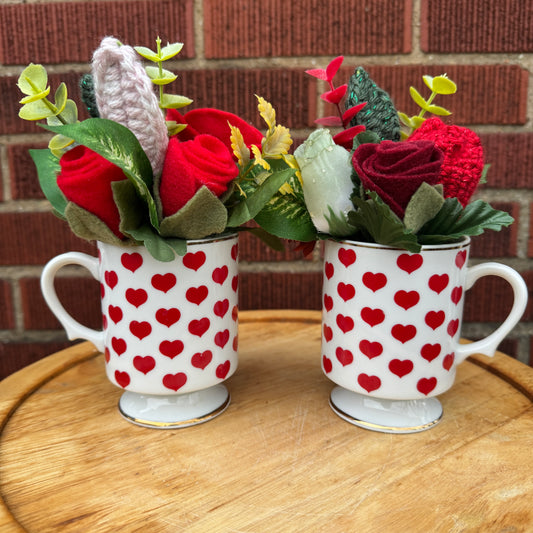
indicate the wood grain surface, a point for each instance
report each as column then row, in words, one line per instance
column 277, row 460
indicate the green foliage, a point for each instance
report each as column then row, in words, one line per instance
column 47, row 169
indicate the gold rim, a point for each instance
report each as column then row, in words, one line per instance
column 379, row 427
column 182, row 423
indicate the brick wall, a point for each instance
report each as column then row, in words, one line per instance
column 233, row 50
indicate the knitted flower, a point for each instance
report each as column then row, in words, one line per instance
column 395, row 170
column 85, row 179
column 124, row 93
column 462, row 166
column 189, row 165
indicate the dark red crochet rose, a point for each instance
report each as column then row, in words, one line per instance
column 85, row 179
column 463, row 157
column 214, row 122
column 395, row 170
column 204, row 160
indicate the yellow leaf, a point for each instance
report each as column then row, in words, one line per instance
column 240, row 150
column 258, row 156
column 267, row 112
column 277, row 142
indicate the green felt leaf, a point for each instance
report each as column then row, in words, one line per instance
column 175, row 101
column 417, row 97
column 60, row 98
column 170, row 50
column 160, row 77
column 69, row 115
column 36, row 110
column 33, row 79
column 119, row 146
column 338, row 225
column 425, row 203
column 440, row 84
column 365, row 137
column 36, row 96
column 204, row 214
column 438, row 110
column 128, row 204
column 88, row 226
column 158, row 247
column 47, row 169
column 147, row 53
column 376, row 218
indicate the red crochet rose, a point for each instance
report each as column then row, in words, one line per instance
column 395, row 170
column 463, row 157
column 85, row 179
column 214, row 122
column 204, row 160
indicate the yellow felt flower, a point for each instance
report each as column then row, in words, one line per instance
column 240, row 150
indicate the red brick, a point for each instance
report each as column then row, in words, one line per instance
column 34, row 238
column 476, row 26
column 280, row 290
column 487, row 94
column 24, row 181
column 489, row 300
column 271, row 28
column 530, row 241
column 74, row 29
column 501, row 243
column 528, row 278
column 510, row 156
column 80, row 298
column 16, row 355
column 7, row 316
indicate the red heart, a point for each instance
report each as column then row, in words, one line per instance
column 369, row 383
column 403, row 333
column 174, row 381
column 346, row 257
column 167, row 317
column 372, row 317
column 327, row 365
column 345, row 357
column 136, row 297
column 434, row 319
column 107, row 355
column 235, row 313
column 144, row 364
column 221, row 308
column 140, row 329
column 460, row 259
column 345, row 323
column 430, row 351
column 426, row 385
column 235, row 252
column 328, row 333
column 102, row 291
column 194, row 261
column 370, row 349
column 163, row 282
column 453, row 326
column 374, row 281
column 235, row 283
column 104, row 322
column 457, row 292
column 328, row 302
column 197, row 295
column 346, row 291
column 171, row 348
column 409, row 263
column 131, row 261
column 448, row 361
column 122, row 378
column 119, row 345
column 199, row 327
column 329, row 270
column 401, row 368
column 222, row 338
column 222, row 370
column 115, row 313
column 201, row 360
column 407, row 299
column 235, row 343
column 220, row 274
column 111, row 278
column 438, row 283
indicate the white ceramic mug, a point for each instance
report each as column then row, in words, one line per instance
column 391, row 324
column 169, row 328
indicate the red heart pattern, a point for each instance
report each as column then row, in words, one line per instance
column 222, row 370
column 346, row 291
column 144, row 364
column 327, row 365
column 435, row 319
column 345, row 357
column 111, row 278
column 438, row 283
column 220, row 274
column 347, row 257
column 164, row 282
column 221, row 308
column 168, row 317
column 369, row 383
column 401, row 367
column 374, row 281
column 329, row 270
column 136, row 297
column 403, row 333
column 197, row 295
column 409, row 263
column 175, row 381
column 371, row 349
column 430, row 351
column 194, row 260
column 372, row 317
column 201, row 360
column 171, row 348
column 406, row 299
column 131, row 262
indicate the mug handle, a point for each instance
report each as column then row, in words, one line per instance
column 73, row 328
column 488, row 345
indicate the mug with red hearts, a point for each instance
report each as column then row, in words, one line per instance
column 169, row 328
column 391, row 324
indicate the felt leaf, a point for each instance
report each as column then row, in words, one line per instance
column 351, row 112
column 331, row 121
column 333, row 67
column 338, row 224
column 58, row 144
column 157, row 246
column 376, row 218
column 366, row 137
column 119, row 146
column 128, row 204
column 318, row 73
column 417, row 97
column 37, row 110
column 69, row 115
column 47, row 169
column 266, row 111
column 33, row 79
column 148, row 54
column 60, row 98
column 204, row 214
column 336, row 95
column 36, row 96
column 175, row 101
column 425, row 203
column 438, row 110
column 440, row 84
column 345, row 137
column 160, row 77
column 170, row 50
column 88, row 226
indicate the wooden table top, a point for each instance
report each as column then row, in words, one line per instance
column 277, row 460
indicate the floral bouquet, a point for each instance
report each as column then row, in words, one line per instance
column 388, row 178
column 139, row 172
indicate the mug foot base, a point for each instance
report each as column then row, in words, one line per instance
column 174, row 411
column 385, row 416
